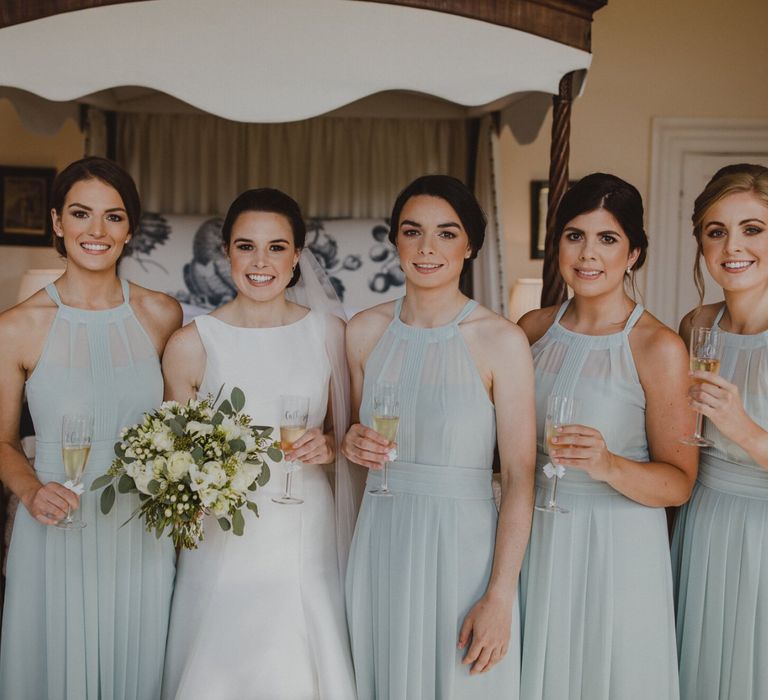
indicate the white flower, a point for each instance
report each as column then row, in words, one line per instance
column 168, row 406
column 207, row 497
column 162, row 439
column 220, row 507
column 179, row 464
column 158, row 464
column 250, row 441
column 142, row 480
column 242, row 480
column 231, row 429
column 197, row 429
column 215, row 472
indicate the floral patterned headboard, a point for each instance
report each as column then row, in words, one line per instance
column 183, row 256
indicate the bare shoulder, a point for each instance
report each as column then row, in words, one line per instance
column 371, row 320
column 493, row 335
column 656, row 347
column 700, row 316
column 160, row 308
column 537, row 322
column 24, row 327
column 185, row 345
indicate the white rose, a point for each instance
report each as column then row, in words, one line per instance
column 250, row 442
column 242, row 480
column 179, row 464
column 197, row 429
column 215, row 472
column 220, row 507
column 158, row 464
column 207, row 497
column 162, row 439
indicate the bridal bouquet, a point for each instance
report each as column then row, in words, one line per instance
column 187, row 460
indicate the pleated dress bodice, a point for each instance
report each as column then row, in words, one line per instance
column 589, row 630
column 720, row 548
column 446, row 417
column 92, row 603
column 599, row 371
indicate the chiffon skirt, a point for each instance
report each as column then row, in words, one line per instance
column 419, row 561
column 86, row 611
column 720, row 552
column 596, row 598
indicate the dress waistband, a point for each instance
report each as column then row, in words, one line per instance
column 575, row 481
column 431, row 480
column 733, row 478
column 50, row 466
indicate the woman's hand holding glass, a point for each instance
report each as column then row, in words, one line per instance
column 313, row 447
column 364, row 446
column 51, row 502
column 720, row 401
column 582, row 447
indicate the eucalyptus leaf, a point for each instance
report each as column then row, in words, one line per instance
column 125, row 484
column 237, row 445
column 218, row 395
column 159, row 530
column 197, row 453
column 275, row 453
column 175, row 426
column 119, row 451
column 238, row 399
column 264, row 430
column 101, row 481
column 217, row 418
column 226, row 408
column 238, row 523
column 107, row 499
column 153, row 487
column 264, row 476
column 224, row 524
column 253, row 508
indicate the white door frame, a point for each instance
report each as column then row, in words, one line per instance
column 673, row 138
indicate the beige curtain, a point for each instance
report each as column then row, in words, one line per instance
column 95, row 133
column 334, row 167
column 488, row 271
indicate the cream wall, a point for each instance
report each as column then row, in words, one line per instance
column 20, row 147
column 686, row 58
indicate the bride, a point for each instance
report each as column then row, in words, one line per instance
column 261, row 616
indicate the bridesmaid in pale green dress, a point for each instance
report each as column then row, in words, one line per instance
column 86, row 610
column 596, row 588
column 431, row 582
column 720, row 544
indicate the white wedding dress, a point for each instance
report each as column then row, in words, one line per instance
column 262, row 616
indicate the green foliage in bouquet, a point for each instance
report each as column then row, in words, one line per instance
column 187, row 460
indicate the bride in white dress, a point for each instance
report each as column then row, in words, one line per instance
column 262, row 616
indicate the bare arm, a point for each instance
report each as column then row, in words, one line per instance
column 22, row 342
column 183, row 364
column 667, row 479
column 490, row 620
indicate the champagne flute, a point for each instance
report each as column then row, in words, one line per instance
column 294, row 412
column 386, row 417
column 76, row 436
column 706, row 347
column 561, row 410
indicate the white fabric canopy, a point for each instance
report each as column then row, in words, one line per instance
column 278, row 60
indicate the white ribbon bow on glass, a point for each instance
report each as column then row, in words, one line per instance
column 73, row 487
column 392, row 455
column 551, row 470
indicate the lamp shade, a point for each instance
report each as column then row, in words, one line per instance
column 525, row 295
column 34, row 280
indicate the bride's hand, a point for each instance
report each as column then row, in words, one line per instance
column 486, row 629
column 314, row 447
column 366, row 447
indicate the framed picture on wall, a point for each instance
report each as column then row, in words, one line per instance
column 539, row 206
column 25, row 195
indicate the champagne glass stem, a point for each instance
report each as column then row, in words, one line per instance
column 287, row 493
column 699, row 426
column 553, row 494
column 384, row 485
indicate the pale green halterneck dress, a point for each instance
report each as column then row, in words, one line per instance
column 720, row 549
column 86, row 611
column 421, row 559
column 596, row 584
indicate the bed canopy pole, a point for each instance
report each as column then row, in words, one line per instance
column 553, row 290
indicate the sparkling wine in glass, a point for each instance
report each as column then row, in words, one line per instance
column 706, row 347
column 76, row 436
column 386, row 417
column 294, row 412
column 561, row 410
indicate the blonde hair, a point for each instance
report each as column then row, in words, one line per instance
column 742, row 177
